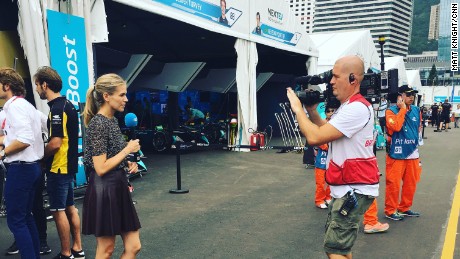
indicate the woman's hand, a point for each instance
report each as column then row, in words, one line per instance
column 133, row 146
column 132, row 167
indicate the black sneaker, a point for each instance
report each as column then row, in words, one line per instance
column 2, row 213
column 395, row 216
column 309, row 166
column 410, row 213
column 45, row 249
column 12, row 250
column 61, row 256
column 80, row 254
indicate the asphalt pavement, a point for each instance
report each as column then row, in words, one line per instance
column 261, row 205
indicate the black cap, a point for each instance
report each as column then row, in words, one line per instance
column 406, row 89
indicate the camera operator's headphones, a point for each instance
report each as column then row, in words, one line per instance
column 351, row 77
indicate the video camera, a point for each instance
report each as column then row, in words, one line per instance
column 373, row 86
column 309, row 96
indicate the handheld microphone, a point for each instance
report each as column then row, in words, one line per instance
column 131, row 122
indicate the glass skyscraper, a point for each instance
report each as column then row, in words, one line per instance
column 304, row 9
column 389, row 18
column 444, row 30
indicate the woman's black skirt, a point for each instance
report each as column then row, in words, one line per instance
column 108, row 209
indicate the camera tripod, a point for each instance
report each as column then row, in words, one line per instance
column 289, row 126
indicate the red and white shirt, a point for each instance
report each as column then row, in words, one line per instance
column 356, row 122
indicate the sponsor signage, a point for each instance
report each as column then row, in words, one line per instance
column 216, row 12
column 268, row 22
column 67, row 41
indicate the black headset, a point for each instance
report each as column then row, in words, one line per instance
column 351, row 77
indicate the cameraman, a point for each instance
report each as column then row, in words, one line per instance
column 350, row 137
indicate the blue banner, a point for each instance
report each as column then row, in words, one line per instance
column 206, row 10
column 440, row 98
column 67, row 41
column 278, row 35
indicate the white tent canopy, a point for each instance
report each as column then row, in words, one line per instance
column 413, row 78
column 432, row 94
column 332, row 46
column 397, row 62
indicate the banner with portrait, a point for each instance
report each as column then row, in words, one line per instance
column 222, row 16
column 273, row 23
column 268, row 22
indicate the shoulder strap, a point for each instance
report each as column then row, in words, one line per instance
column 361, row 99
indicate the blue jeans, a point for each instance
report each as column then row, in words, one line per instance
column 39, row 211
column 21, row 182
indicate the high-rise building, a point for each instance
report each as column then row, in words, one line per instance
column 389, row 18
column 304, row 9
column 444, row 30
column 433, row 32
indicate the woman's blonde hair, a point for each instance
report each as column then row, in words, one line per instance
column 107, row 83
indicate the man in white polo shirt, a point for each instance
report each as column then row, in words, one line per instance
column 23, row 149
column 352, row 171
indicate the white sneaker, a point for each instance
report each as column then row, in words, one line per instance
column 328, row 202
column 322, row 206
